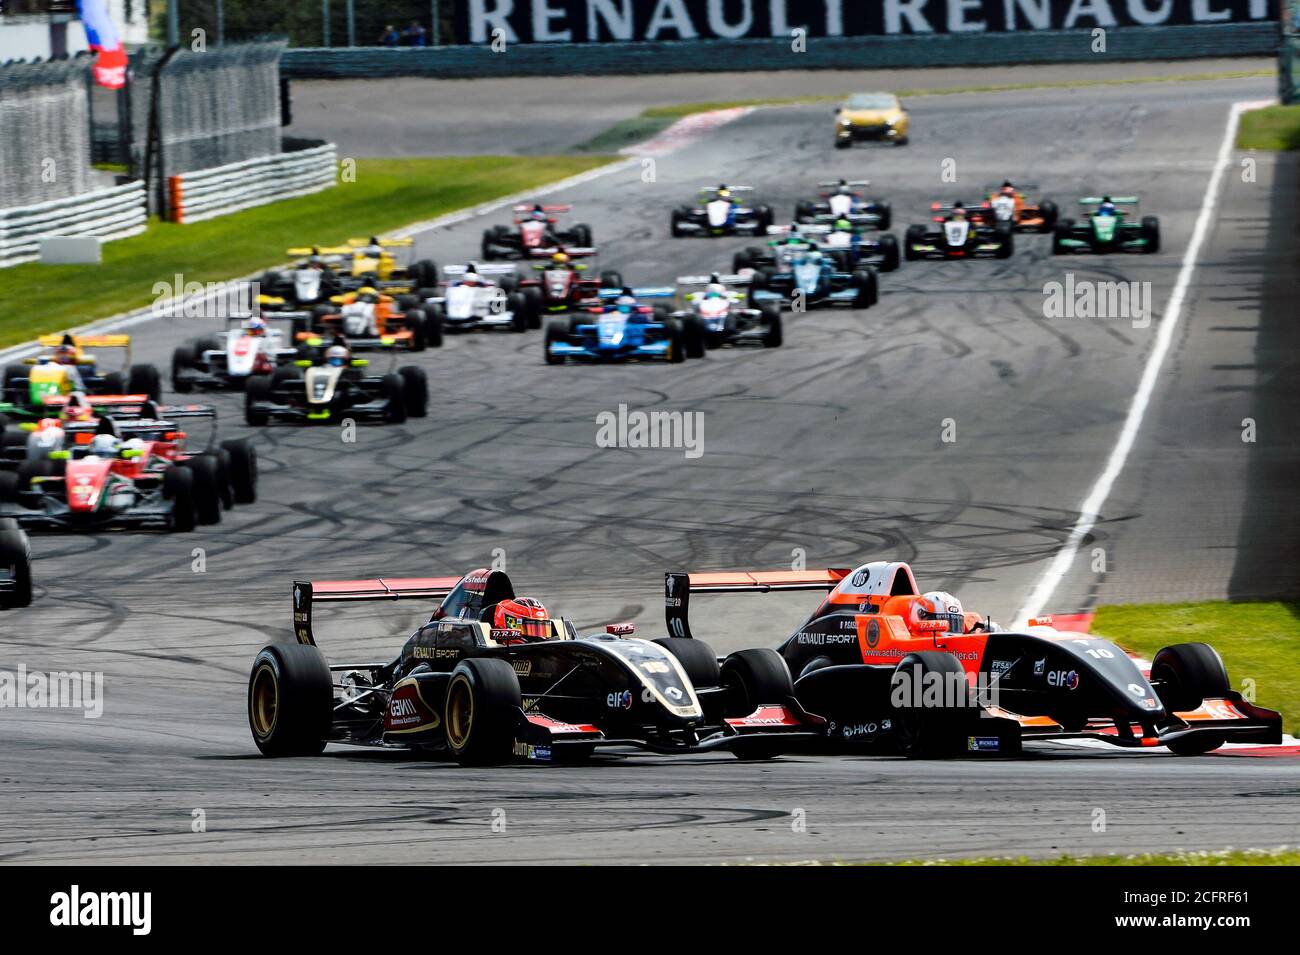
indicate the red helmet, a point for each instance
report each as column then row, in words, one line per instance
column 524, row 615
column 77, row 408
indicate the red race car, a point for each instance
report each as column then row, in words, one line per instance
column 130, row 469
column 563, row 283
column 534, row 227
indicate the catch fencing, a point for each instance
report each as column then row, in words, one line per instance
column 107, row 213
column 208, row 193
column 44, row 131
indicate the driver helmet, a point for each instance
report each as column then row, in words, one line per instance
column 105, row 445
column 940, row 605
column 1107, row 206
column 133, row 444
column 723, row 191
column 715, row 288
column 626, row 302
column 560, row 258
column 538, row 211
column 1008, row 189
column 366, row 294
column 958, row 210
column 337, row 356
column 66, row 354
column 843, row 225
column 526, row 616
column 256, row 327
column 77, row 408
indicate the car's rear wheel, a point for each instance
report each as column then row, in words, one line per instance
column 290, row 700
column 393, row 389
column 556, row 332
column 533, row 299
column 480, row 711
column 433, row 326
column 1048, row 212
column 518, row 308
column 242, row 469
column 693, row 337
column 415, row 389
column 676, row 341
column 864, row 283
column 183, row 359
column 611, row 278
column 889, row 253
column 258, row 390
column 178, row 489
column 773, row 337
column 415, row 325
column 1151, row 232
column 915, row 235
column 206, row 488
column 15, row 554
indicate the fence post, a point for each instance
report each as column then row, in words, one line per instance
column 352, row 25
column 435, row 35
column 325, row 23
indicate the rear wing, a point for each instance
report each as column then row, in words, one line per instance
column 1118, row 200
column 579, row 252
column 86, row 341
column 332, row 250
column 847, row 182
column 658, row 291
column 705, row 190
column 525, row 207
column 487, row 268
column 678, row 588
column 307, row 593
column 382, row 243
column 729, row 279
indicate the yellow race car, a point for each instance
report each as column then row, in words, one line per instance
column 871, row 117
column 66, row 366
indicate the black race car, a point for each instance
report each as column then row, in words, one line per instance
column 15, row 566
column 317, row 389
column 464, row 688
column 959, row 233
column 886, row 666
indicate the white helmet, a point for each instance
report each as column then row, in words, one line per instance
column 943, row 602
column 105, row 445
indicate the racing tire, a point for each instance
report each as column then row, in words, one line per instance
column 843, row 142
column 320, row 312
column 407, row 302
column 1049, row 213
column 113, row 384
column 865, row 283
column 758, row 283
column 928, row 732
column 206, row 488
column 1008, row 246
column 480, row 711
column 16, row 553
column 290, row 700
column 425, row 273
column 415, row 391
column 889, row 253
column 518, row 308
column 33, row 468
column 765, row 218
column 582, row 235
column 533, row 298
column 241, row 469
column 433, row 326
column 415, row 324
column 805, row 211
column 556, row 332
column 741, row 261
column 1151, row 232
column 693, row 337
column 8, row 390
column 282, row 374
column 676, row 340
column 915, row 234
column 886, row 212
column 1060, row 231
column 774, row 336
column 486, row 249
column 674, row 228
column 1186, row 674
column 178, row 487
column 258, row 389
column 611, row 278
column 10, row 486
column 754, row 678
column 394, row 389
column 183, row 359
column 697, row 659
column 224, row 489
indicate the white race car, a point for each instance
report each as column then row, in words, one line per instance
column 484, row 296
column 718, row 315
column 250, row 348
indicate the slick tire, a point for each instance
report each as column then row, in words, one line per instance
column 1049, row 212
column 1187, row 674
column 415, row 325
column 556, row 333
column 415, row 391
column 242, row 469
column 697, row 659
column 1151, row 232
column 889, row 253
column 144, row 380
column 290, row 700
column 517, row 305
column 676, row 341
column 754, row 678
column 257, row 390
column 183, row 359
column 915, row 234
column 16, row 554
column 206, row 488
column 693, row 337
column 925, row 731
column 480, row 711
column 178, row 488
column 772, row 319
column 611, row 278
column 433, row 326
column 865, row 284
column 394, row 389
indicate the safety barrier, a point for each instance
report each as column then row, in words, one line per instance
column 221, row 190
column 109, row 214
column 824, row 53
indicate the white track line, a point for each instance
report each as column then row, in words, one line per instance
column 1091, row 507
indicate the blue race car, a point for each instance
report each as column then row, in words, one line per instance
column 620, row 328
column 720, row 212
column 810, row 278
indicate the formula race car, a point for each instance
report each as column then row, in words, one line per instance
column 483, row 296
column 1110, row 227
column 66, row 367
column 331, row 386
column 841, row 201
column 312, row 282
column 871, row 117
column 15, row 566
column 561, row 282
column 621, row 329
column 719, row 212
column 492, row 677
column 887, row 666
column 960, row 234
column 1008, row 203
column 848, row 245
column 372, row 320
column 251, row 348
column 361, row 262
column 811, row 279
column 131, row 469
column 534, row 227
column 721, row 315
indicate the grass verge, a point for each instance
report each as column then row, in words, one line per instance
column 1228, row 857
column 1273, row 127
column 1258, row 642
column 387, row 194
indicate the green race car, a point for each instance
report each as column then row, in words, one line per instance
column 1112, row 226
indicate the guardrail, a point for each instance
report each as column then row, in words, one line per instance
column 108, row 213
column 221, row 190
column 822, row 53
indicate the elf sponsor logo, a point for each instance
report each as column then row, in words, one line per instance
column 1064, row 679
column 76, row 908
column 619, row 701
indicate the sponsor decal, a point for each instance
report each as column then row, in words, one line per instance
column 983, row 744
column 1064, row 679
column 873, row 633
column 822, row 639
column 619, row 701
column 1040, row 667
column 531, row 752
column 860, row 578
column 1001, row 666
column 522, row 667
column 674, row 693
column 655, row 666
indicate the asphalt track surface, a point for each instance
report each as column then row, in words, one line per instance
column 830, row 446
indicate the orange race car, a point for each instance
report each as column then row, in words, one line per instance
column 1008, row 203
column 370, row 319
column 886, row 665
